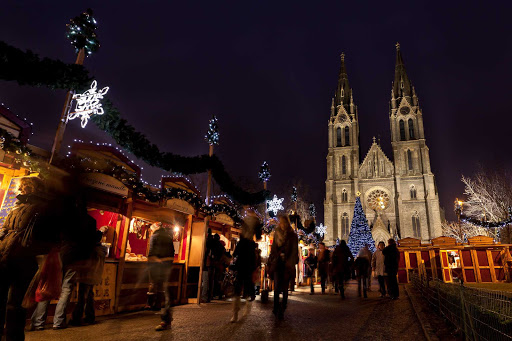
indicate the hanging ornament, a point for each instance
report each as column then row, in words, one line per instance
column 88, row 104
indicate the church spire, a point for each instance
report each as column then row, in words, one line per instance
column 402, row 86
column 343, row 92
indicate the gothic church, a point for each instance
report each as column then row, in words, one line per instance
column 399, row 196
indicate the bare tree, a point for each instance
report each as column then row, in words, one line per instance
column 461, row 232
column 488, row 197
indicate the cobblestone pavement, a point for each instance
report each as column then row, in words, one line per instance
column 308, row 317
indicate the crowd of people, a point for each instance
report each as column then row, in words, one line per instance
column 39, row 225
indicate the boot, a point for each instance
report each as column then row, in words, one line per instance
column 248, row 306
column 236, row 308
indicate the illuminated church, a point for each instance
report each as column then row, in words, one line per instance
column 399, row 195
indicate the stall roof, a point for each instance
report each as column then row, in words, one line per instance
column 13, row 124
column 104, row 153
column 180, row 182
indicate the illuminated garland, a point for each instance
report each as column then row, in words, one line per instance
column 312, row 210
column 212, row 135
column 28, row 69
column 488, row 224
column 294, row 194
column 264, row 173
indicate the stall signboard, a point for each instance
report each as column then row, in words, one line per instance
column 105, row 183
column 224, row 219
column 180, row 206
column 9, row 199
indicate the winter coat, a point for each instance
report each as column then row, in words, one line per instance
column 26, row 231
column 245, row 256
column 323, row 262
column 378, row 263
column 362, row 266
column 285, row 257
column 311, row 263
column 391, row 259
column 341, row 259
column 161, row 245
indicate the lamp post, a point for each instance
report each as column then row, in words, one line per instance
column 458, row 211
column 81, row 33
column 212, row 137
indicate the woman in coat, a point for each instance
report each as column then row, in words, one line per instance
column 284, row 256
column 378, row 268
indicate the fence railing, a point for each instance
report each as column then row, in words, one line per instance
column 478, row 313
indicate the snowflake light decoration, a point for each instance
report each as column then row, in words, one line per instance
column 275, row 205
column 321, row 229
column 88, row 104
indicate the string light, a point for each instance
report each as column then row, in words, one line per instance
column 81, row 33
column 212, row 135
column 264, row 173
column 294, row 194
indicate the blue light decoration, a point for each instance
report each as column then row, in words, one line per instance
column 294, row 194
column 360, row 234
column 212, row 135
column 312, row 210
column 81, row 33
column 264, row 173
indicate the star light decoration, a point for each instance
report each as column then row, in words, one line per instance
column 321, row 229
column 275, row 205
column 212, row 135
column 88, row 104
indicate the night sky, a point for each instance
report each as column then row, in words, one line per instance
column 268, row 70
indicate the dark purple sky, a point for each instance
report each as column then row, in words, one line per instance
column 268, row 70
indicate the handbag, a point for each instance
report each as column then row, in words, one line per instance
column 50, row 282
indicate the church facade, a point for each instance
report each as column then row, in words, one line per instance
column 398, row 194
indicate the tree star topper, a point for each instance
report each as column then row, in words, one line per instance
column 88, row 104
column 321, row 229
column 275, row 205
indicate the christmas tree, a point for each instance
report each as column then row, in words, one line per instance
column 360, row 234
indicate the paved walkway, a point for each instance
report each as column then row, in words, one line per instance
column 309, row 317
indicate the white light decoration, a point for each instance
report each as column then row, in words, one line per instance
column 275, row 205
column 321, row 229
column 88, row 104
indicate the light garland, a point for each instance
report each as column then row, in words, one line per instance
column 312, row 210
column 88, row 104
column 212, row 135
column 264, row 173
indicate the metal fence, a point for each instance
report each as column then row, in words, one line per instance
column 478, row 313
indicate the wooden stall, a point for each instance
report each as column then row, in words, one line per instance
column 478, row 260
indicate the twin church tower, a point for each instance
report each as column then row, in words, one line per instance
column 399, row 196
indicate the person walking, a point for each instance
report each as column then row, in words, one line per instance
column 160, row 259
column 362, row 268
column 341, row 261
column 245, row 254
column 378, row 268
column 311, row 264
column 391, row 259
column 75, row 243
column 323, row 265
column 284, row 256
column 88, row 274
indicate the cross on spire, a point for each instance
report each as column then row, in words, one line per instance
column 342, row 56
column 397, row 46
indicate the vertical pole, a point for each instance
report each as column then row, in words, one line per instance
column 65, row 111
column 206, row 223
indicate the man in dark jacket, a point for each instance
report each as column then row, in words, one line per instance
column 392, row 257
column 323, row 265
column 341, row 260
column 311, row 262
column 160, row 258
column 25, row 234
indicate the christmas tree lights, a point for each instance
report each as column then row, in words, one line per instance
column 360, row 234
column 264, row 173
column 81, row 33
column 212, row 135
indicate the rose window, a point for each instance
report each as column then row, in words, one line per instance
column 378, row 200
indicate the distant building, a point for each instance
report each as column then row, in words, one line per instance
column 399, row 196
